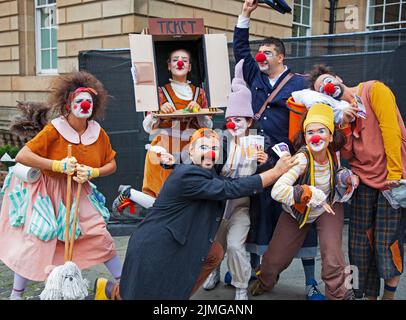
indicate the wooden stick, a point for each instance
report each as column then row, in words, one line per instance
column 75, row 217
column 68, row 206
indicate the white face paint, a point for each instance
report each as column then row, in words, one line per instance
column 201, row 151
column 316, row 147
column 241, row 126
column 78, row 110
column 179, row 70
column 317, row 129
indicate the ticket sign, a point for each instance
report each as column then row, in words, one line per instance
column 175, row 26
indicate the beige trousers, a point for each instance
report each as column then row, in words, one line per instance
column 232, row 235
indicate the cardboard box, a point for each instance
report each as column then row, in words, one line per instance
column 149, row 54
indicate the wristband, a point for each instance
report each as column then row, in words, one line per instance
column 57, row 166
column 93, row 173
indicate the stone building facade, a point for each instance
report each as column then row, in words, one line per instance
column 42, row 38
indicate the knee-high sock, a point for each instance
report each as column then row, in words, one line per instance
column 115, row 267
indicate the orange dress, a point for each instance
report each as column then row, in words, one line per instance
column 24, row 251
column 154, row 174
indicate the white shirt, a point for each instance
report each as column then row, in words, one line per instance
column 182, row 89
column 243, row 22
column 272, row 81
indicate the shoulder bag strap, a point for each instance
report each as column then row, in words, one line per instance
column 257, row 116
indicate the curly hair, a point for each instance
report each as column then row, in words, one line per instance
column 62, row 86
column 317, row 71
column 299, row 140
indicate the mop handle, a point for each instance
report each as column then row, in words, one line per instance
column 68, row 206
column 75, row 217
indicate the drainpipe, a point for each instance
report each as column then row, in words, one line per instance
column 331, row 21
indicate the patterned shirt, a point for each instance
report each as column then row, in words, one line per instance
column 282, row 191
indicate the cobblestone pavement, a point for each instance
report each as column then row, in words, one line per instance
column 289, row 287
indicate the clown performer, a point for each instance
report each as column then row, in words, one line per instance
column 235, row 225
column 32, row 219
column 308, row 193
column 376, row 152
column 268, row 77
column 178, row 94
column 173, row 250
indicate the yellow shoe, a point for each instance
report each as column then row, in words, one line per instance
column 100, row 289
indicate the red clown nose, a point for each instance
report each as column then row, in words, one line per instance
column 85, row 106
column 210, row 155
column 260, row 57
column 329, row 88
column 230, row 125
column 315, row 139
column 180, row 64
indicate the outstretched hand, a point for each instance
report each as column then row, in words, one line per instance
column 248, row 7
column 285, row 163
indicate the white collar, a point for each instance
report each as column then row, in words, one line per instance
column 89, row 137
column 180, row 83
column 182, row 89
column 274, row 80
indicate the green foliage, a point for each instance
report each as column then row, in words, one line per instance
column 12, row 152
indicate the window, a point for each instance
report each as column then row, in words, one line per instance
column 386, row 14
column 302, row 14
column 46, row 38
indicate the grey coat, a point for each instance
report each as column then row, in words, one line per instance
column 166, row 252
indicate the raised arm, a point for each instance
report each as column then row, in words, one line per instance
column 241, row 46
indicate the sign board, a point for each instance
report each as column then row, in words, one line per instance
column 175, row 27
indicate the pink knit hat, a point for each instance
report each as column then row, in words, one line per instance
column 239, row 100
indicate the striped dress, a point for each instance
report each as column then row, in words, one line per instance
column 282, row 190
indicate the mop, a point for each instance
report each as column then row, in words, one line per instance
column 65, row 282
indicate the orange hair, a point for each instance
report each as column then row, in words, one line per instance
column 203, row 132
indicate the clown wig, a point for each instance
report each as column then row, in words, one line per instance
column 63, row 87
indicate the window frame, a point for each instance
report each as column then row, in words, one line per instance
column 300, row 24
column 38, row 35
column 384, row 25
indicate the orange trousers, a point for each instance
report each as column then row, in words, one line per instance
column 154, row 175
